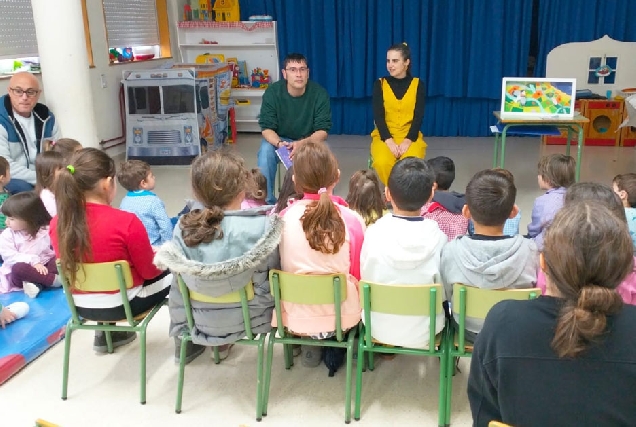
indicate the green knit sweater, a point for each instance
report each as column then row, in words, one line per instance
column 295, row 117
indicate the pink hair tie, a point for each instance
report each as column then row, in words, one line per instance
column 322, row 190
column 53, row 143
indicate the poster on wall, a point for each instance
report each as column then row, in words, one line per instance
column 537, row 98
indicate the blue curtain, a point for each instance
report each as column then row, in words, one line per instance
column 461, row 49
column 565, row 21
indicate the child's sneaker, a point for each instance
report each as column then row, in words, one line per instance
column 224, row 351
column 119, row 338
column 57, row 282
column 310, row 356
column 30, row 289
column 20, row 309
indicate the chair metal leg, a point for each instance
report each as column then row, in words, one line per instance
column 217, row 357
column 359, row 367
column 182, row 359
column 259, row 378
column 450, row 367
column 67, row 354
column 109, row 342
column 268, row 372
column 142, row 379
column 443, row 372
column 348, row 376
column 288, row 354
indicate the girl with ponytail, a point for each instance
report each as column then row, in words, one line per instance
column 218, row 249
column 321, row 236
column 572, row 352
column 88, row 230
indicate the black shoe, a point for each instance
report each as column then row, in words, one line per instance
column 192, row 351
column 119, row 339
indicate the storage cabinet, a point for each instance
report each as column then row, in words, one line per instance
column 252, row 42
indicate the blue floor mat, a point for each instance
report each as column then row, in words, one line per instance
column 25, row 339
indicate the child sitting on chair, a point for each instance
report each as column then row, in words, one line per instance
column 219, row 248
column 65, row 146
column 489, row 259
column 137, row 177
column 88, row 229
column 321, row 236
column 511, row 228
column 256, row 192
column 446, row 206
column 403, row 248
column 625, row 186
column 365, row 196
column 556, row 174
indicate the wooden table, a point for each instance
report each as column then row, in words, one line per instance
column 574, row 124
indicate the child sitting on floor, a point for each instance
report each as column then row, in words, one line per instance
column 556, row 174
column 403, row 248
column 365, row 196
column 321, row 236
column 47, row 166
column 65, row 146
column 13, row 312
column 219, row 248
column 511, row 228
column 25, row 246
column 625, row 186
column 5, row 177
column 256, row 192
column 137, row 177
column 446, row 206
column 489, row 259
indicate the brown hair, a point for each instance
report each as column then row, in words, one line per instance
column 4, row 166
column 257, row 186
column 46, row 166
column 315, row 167
column 365, row 196
column 287, row 191
column 506, row 173
column 131, row 173
column 65, row 146
column 627, row 182
column 218, row 177
column 597, row 192
column 588, row 253
column 490, row 196
column 557, row 170
column 87, row 167
column 29, row 208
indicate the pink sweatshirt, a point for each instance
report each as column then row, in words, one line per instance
column 18, row 247
column 298, row 257
column 627, row 288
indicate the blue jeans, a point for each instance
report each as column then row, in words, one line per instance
column 18, row 186
column 268, row 164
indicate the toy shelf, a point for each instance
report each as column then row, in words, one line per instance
column 256, row 43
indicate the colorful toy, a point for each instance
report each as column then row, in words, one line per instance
column 243, row 79
column 233, row 63
column 226, row 11
column 260, row 78
column 205, row 10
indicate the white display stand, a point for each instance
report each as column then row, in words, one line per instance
column 253, row 42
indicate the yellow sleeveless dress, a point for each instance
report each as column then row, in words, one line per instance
column 399, row 116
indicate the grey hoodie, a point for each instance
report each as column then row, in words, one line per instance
column 511, row 262
column 247, row 251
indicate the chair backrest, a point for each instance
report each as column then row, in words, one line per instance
column 114, row 276
column 405, row 300
column 308, row 289
column 477, row 302
column 241, row 296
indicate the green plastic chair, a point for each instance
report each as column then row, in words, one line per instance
column 405, row 300
column 309, row 290
column 105, row 277
column 469, row 301
column 242, row 296
column 370, row 162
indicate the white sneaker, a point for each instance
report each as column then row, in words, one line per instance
column 57, row 282
column 20, row 309
column 30, row 289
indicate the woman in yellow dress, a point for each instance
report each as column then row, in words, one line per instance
column 398, row 108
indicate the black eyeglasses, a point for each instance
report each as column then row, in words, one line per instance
column 301, row 70
column 18, row 91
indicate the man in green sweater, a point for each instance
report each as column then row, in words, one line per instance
column 294, row 110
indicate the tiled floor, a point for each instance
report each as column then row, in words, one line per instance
column 103, row 390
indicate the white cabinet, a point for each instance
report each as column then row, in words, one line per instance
column 252, row 42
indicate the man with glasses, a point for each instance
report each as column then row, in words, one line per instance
column 24, row 123
column 294, row 110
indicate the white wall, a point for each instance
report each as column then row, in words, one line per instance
column 571, row 60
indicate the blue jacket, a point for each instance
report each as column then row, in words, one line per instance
column 13, row 146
